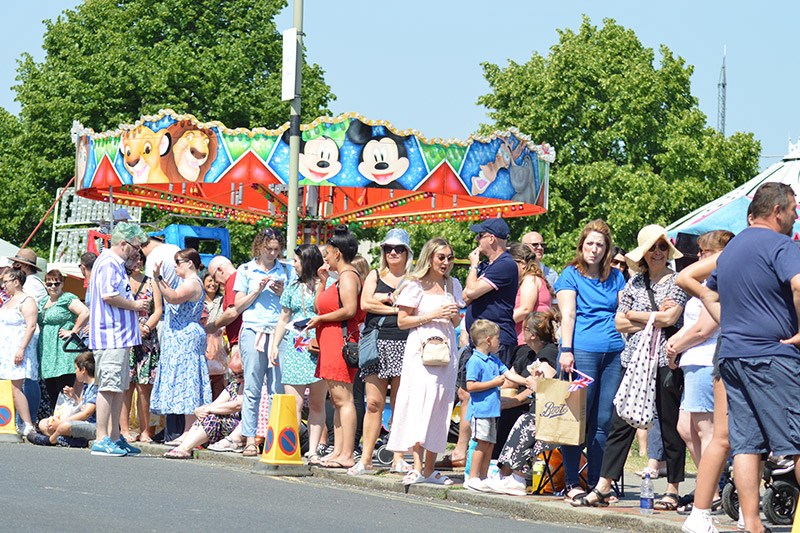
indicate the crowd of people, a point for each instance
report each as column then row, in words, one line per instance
column 208, row 353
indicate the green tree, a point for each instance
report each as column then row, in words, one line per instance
column 109, row 62
column 632, row 145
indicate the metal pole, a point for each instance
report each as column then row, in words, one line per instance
column 294, row 138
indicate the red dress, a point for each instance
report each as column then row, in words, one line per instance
column 331, row 364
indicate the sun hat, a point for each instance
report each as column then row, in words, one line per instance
column 26, row 256
column 398, row 236
column 495, row 226
column 647, row 237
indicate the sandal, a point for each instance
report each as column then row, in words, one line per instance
column 176, row 453
column 359, row 469
column 654, row 474
column 437, row 478
column 576, row 496
column 602, row 499
column 668, row 502
column 226, row 445
column 413, row 477
column 402, row 467
column 314, row 460
column 251, row 450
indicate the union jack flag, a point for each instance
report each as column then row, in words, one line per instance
column 580, row 383
column 301, row 342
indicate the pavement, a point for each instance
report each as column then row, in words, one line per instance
column 623, row 515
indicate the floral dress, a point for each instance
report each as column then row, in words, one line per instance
column 144, row 358
column 217, row 427
column 53, row 360
column 182, row 383
column 297, row 364
column 12, row 328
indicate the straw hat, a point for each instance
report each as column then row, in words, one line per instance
column 26, row 256
column 648, row 236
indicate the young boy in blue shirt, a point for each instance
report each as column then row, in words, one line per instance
column 485, row 375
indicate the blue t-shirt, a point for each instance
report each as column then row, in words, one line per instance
column 753, row 279
column 480, row 368
column 497, row 305
column 89, row 395
column 595, row 307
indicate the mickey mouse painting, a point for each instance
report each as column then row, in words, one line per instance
column 319, row 158
column 384, row 157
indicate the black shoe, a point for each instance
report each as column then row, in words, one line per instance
column 39, row 439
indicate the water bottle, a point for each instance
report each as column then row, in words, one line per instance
column 646, row 496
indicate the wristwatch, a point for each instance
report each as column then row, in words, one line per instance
column 159, row 278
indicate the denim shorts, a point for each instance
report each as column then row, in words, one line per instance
column 763, row 411
column 698, row 389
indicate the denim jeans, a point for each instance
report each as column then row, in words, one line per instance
column 256, row 369
column 33, row 393
column 606, row 369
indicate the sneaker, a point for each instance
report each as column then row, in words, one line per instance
column 39, row 439
column 699, row 522
column 507, row 485
column 106, row 448
column 477, row 485
column 28, row 429
column 129, row 450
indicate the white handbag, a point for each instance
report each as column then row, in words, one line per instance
column 635, row 400
column 435, row 352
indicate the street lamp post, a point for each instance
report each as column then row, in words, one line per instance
column 294, row 133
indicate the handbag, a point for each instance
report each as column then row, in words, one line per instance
column 635, row 400
column 349, row 348
column 368, row 346
column 673, row 379
column 436, row 352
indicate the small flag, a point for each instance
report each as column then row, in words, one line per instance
column 301, row 342
column 580, row 383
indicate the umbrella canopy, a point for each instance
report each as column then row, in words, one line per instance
column 730, row 210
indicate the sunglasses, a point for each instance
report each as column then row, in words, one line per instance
column 52, row 283
column 396, row 248
column 537, row 245
column 480, row 236
column 661, row 245
column 618, row 263
column 449, row 258
column 179, row 261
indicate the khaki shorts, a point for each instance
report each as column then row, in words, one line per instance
column 112, row 369
column 82, row 430
column 484, row 429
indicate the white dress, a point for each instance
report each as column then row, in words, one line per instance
column 12, row 328
column 425, row 398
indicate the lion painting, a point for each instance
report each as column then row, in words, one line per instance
column 192, row 154
column 142, row 150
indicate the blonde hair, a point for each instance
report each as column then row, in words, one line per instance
column 482, row 329
column 600, row 226
column 361, row 265
column 426, row 258
column 521, row 252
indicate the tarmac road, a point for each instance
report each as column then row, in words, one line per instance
column 60, row 489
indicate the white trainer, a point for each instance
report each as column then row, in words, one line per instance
column 699, row 522
column 507, row 485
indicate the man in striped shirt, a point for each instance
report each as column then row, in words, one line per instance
column 113, row 330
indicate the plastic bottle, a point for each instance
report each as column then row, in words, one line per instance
column 646, row 496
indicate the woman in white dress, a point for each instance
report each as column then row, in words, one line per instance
column 18, row 360
column 428, row 305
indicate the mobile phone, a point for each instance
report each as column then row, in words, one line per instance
column 300, row 325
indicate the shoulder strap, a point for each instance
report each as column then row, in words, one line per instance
column 141, row 286
column 650, row 292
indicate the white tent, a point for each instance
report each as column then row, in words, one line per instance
column 730, row 210
column 9, row 250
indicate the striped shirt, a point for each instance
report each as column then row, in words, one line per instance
column 111, row 327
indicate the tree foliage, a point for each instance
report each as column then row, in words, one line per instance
column 632, row 145
column 111, row 61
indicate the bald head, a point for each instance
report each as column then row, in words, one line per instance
column 535, row 242
column 221, row 268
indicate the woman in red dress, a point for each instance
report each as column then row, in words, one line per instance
column 337, row 303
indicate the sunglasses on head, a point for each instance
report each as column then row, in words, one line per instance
column 661, row 245
column 396, row 248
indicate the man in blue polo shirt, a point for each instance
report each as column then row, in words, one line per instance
column 755, row 292
column 491, row 286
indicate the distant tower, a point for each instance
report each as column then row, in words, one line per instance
column 721, row 89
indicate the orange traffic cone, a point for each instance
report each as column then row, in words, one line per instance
column 8, row 417
column 282, row 445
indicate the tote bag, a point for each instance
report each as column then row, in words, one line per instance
column 635, row 400
column 560, row 414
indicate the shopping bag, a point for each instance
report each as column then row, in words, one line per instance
column 635, row 400
column 560, row 414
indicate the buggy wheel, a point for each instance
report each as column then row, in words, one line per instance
column 780, row 501
column 730, row 501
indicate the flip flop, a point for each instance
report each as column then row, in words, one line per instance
column 332, row 464
column 314, row 460
column 177, row 454
column 437, row 478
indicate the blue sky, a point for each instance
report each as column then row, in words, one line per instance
column 417, row 63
